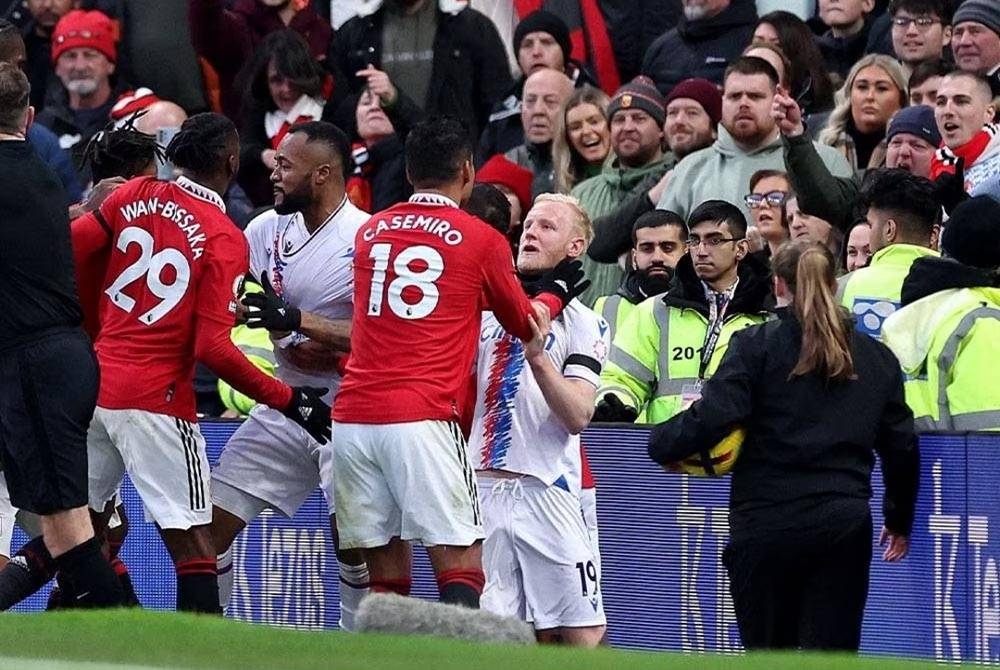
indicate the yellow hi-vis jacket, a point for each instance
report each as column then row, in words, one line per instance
column 656, row 354
column 615, row 309
column 946, row 345
column 872, row 293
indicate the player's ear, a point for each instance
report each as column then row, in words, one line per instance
column 322, row 173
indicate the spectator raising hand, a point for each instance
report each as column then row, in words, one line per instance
column 786, row 113
column 379, row 85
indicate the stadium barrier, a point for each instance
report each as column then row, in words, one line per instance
column 662, row 537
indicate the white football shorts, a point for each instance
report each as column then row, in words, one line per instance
column 538, row 558
column 588, row 505
column 407, row 480
column 271, row 461
column 164, row 457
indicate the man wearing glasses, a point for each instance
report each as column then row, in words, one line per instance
column 670, row 344
column 921, row 29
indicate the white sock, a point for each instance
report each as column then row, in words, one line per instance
column 353, row 588
column 224, row 570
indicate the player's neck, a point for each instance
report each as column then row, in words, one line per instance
column 316, row 214
column 452, row 193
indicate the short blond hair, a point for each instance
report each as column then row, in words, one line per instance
column 580, row 218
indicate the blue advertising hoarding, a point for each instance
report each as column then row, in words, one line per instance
column 662, row 536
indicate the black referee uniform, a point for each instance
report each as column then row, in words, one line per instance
column 800, row 526
column 48, row 371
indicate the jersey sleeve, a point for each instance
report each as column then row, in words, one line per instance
column 501, row 289
column 215, row 311
column 589, row 342
column 256, row 236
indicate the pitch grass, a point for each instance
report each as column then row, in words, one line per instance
column 122, row 639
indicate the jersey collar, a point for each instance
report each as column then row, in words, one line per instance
column 201, row 192
column 433, row 199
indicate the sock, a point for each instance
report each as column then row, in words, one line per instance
column 224, row 571
column 125, row 580
column 62, row 595
column 29, row 569
column 397, row 586
column 197, row 586
column 353, row 587
column 461, row 587
column 93, row 581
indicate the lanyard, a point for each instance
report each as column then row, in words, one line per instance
column 715, row 328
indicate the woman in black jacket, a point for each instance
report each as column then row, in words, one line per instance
column 816, row 399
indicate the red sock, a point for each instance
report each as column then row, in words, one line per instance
column 398, row 586
column 470, row 577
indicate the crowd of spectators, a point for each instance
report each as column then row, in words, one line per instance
column 631, row 107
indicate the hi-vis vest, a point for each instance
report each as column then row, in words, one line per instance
column 946, row 345
column 657, row 353
column 871, row 294
column 255, row 343
column 615, row 309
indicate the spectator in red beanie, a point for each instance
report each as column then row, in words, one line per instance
column 513, row 180
column 84, row 54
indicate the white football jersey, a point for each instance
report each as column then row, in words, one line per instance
column 513, row 428
column 311, row 272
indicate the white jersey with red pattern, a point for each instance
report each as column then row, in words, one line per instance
column 514, row 428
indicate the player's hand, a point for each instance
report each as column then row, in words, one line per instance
column 535, row 347
column 951, row 187
column 379, row 85
column 565, row 281
column 787, row 114
column 314, row 357
column 268, row 310
column 611, row 409
column 100, row 192
column 309, row 411
column 899, row 545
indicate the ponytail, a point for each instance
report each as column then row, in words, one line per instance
column 808, row 269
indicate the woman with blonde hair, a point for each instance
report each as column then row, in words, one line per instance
column 582, row 140
column 875, row 89
column 816, row 398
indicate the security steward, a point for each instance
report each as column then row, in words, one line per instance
column 951, row 380
column 668, row 346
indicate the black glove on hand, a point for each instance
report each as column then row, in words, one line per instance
column 309, row 411
column 565, row 281
column 268, row 310
column 612, row 410
column 951, row 187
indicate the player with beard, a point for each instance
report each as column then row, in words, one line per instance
column 175, row 266
column 748, row 141
column 302, row 250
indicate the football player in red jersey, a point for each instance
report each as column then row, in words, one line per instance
column 170, row 285
column 424, row 272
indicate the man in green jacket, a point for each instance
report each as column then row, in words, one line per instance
column 904, row 213
column 669, row 344
column 748, row 141
column 637, row 113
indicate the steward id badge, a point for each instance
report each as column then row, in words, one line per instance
column 690, row 393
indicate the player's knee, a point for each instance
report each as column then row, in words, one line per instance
column 224, row 528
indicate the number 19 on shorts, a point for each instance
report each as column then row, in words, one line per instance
column 416, row 269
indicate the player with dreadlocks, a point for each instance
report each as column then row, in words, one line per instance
column 175, row 266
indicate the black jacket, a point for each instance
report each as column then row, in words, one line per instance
column 633, row 25
column 470, row 66
column 700, row 48
column 636, row 287
column 752, row 296
column 841, row 53
column 613, row 231
column 504, row 129
column 931, row 274
column 807, row 457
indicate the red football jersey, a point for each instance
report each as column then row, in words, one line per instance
column 175, row 264
column 424, row 271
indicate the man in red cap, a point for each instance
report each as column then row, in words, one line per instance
column 84, row 56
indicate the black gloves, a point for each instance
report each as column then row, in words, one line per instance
column 612, row 410
column 268, row 310
column 565, row 281
column 309, row 411
column 951, row 187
